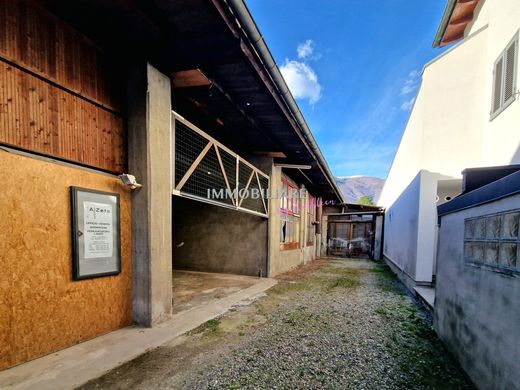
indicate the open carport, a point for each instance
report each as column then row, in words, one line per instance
column 220, row 218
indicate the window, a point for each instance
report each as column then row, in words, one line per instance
column 311, row 217
column 290, row 217
column 504, row 78
column 493, row 240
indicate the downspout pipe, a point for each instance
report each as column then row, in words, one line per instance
column 249, row 26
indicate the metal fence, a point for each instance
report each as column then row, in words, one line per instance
column 207, row 171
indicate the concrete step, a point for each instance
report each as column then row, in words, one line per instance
column 426, row 295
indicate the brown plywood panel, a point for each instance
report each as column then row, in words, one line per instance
column 41, row 309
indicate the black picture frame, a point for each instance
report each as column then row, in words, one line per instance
column 88, row 267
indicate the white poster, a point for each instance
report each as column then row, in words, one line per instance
column 98, row 230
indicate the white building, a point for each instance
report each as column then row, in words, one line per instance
column 466, row 114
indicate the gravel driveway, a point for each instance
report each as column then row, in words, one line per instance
column 346, row 325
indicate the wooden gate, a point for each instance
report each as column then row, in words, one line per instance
column 351, row 238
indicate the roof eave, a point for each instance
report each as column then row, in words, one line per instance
column 448, row 12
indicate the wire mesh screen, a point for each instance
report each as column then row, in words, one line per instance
column 230, row 168
column 188, row 146
column 252, row 197
column 207, row 171
column 245, row 176
column 207, row 179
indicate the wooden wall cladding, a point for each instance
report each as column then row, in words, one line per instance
column 37, row 40
column 41, row 309
column 58, row 94
column 38, row 117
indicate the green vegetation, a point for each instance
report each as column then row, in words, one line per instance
column 344, row 282
column 365, row 200
column 210, row 327
column 340, row 277
column 420, row 354
column 386, row 279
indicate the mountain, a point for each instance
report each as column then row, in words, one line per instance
column 355, row 186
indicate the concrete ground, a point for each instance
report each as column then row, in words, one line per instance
column 192, row 289
column 198, row 298
column 346, row 324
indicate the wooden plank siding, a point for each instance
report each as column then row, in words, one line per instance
column 58, row 93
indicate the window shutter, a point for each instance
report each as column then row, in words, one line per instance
column 497, row 89
column 510, row 70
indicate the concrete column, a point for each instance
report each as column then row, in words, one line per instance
column 303, row 217
column 324, row 233
column 319, row 218
column 149, row 159
column 303, row 222
column 273, row 231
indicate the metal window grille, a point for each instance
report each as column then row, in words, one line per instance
column 207, row 171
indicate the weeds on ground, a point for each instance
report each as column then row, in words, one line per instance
column 344, row 282
column 343, row 271
column 284, row 287
column 210, row 327
column 339, row 277
column 387, row 280
column 418, row 351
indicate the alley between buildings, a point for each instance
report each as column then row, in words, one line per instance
column 330, row 324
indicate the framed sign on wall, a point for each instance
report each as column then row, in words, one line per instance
column 96, row 238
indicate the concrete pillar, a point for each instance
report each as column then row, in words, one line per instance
column 319, row 218
column 303, row 222
column 273, row 230
column 149, row 159
column 324, row 233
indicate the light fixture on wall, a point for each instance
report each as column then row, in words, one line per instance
column 129, row 181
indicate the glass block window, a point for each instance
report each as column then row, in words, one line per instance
column 493, row 240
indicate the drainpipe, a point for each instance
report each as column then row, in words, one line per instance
column 248, row 25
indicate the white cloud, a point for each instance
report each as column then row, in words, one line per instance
column 410, row 83
column 407, row 106
column 305, row 49
column 302, row 80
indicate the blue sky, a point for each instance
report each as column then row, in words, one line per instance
column 354, row 68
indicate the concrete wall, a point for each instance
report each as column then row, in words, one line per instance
column 401, row 229
column 281, row 261
column 378, row 239
column 217, row 239
column 42, row 309
column 476, row 308
column 309, row 253
column 411, row 228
